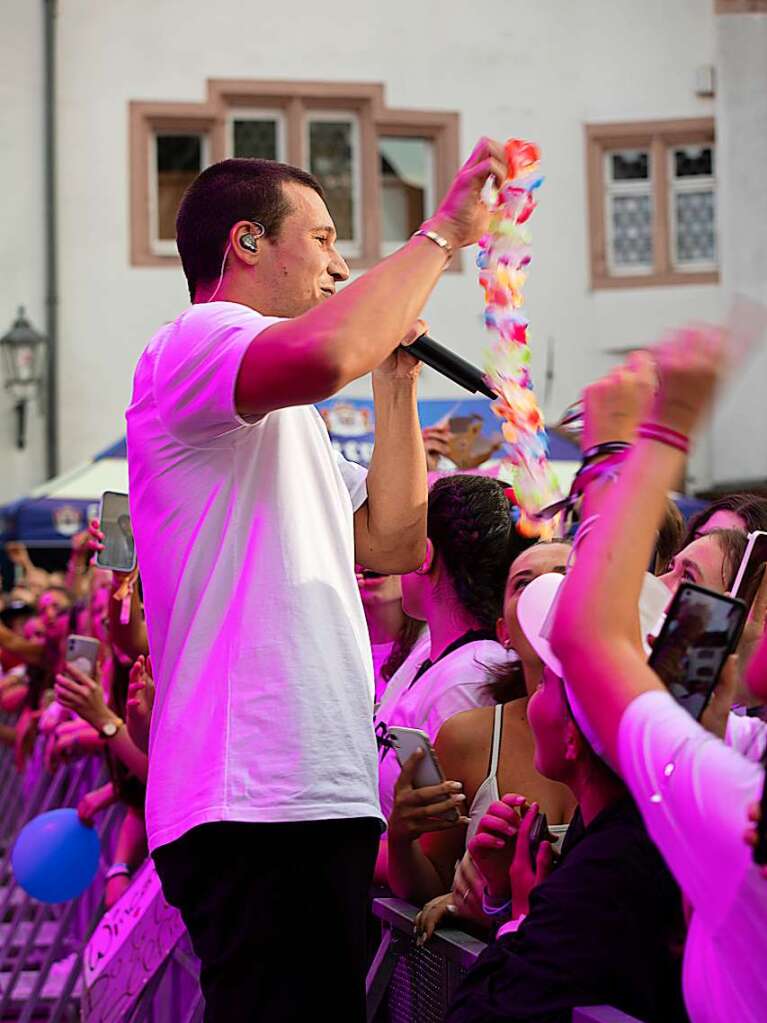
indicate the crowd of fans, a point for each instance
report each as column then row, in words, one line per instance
column 523, row 663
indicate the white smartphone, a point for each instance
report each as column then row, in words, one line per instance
column 755, row 555
column 405, row 741
column 82, row 652
column 119, row 552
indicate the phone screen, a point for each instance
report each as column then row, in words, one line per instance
column 119, row 547
column 701, row 631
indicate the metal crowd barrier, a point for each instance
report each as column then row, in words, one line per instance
column 408, row 983
column 41, row 944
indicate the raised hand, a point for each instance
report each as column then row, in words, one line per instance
column 462, row 218
column 614, row 406
column 138, row 710
column 690, row 364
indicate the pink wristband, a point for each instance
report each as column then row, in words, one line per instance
column 665, row 435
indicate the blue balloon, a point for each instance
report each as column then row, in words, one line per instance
column 56, row 856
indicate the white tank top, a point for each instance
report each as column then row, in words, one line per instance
column 488, row 793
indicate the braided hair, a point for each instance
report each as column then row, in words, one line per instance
column 469, row 523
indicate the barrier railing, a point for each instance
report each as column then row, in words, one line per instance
column 408, row 983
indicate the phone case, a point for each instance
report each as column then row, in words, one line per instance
column 82, row 652
column 405, row 741
column 694, row 699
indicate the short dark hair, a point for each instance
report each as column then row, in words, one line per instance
column 469, row 522
column 232, row 190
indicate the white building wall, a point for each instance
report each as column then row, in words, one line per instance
column 22, row 220
column 738, row 439
column 539, row 71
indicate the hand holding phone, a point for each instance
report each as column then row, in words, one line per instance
column 427, row 772
column 701, row 630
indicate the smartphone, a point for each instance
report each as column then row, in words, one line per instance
column 82, row 652
column 119, row 552
column 754, row 557
column 539, row 832
column 701, row 630
column 404, row 742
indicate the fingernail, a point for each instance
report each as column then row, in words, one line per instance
column 458, row 798
column 454, row 786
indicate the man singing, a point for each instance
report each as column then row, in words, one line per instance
column 262, row 806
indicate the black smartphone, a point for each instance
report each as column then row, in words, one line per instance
column 539, row 832
column 701, row 630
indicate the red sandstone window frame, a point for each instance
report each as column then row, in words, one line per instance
column 659, row 137
column 294, row 100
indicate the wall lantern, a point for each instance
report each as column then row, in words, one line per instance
column 23, row 359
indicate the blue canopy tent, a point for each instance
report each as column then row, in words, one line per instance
column 53, row 512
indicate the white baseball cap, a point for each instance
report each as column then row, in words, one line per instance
column 536, row 611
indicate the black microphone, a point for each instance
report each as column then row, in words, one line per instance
column 450, row 365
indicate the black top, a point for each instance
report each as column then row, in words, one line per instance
column 603, row 929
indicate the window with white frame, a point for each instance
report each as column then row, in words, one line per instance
column 652, row 203
column 692, row 205
column 332, row 145
column 177, row 158
column 406, row 195
column 257, row 133
column 628, row 198
column 381, row 169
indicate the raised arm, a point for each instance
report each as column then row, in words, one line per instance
column 308, row 358
column 595, row 628
column 390, row 527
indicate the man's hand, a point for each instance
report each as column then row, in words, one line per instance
column 614, row 406
column 417, row 811
column 462, row 217
column 400, row 365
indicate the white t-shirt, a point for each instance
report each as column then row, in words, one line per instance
column 245, row 539
column 693, row 793
column 747, row 735
column 455, row 683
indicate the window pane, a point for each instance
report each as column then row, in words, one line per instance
column 406, row 185
column 630, row 165
column 695, row 227
column 330, row 159
column 693, row 161
column 255, row 139
column 179, row 161
column 631, row 217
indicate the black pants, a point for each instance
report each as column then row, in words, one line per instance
column 277, row 915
